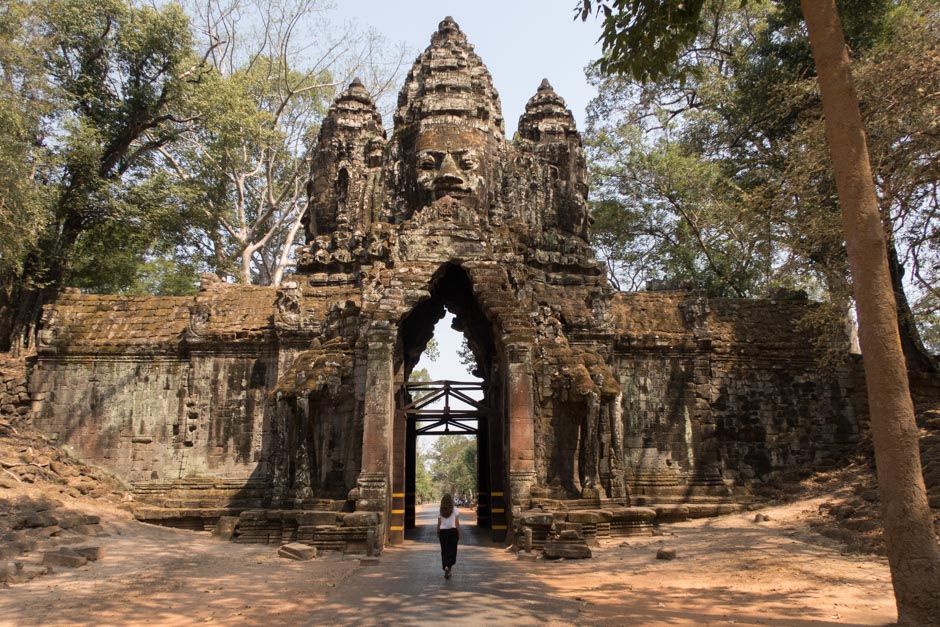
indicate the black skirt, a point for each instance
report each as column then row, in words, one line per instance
column 448, row 547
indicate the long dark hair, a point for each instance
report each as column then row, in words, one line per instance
column 447, row 506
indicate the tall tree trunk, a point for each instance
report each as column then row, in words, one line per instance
column 913, row 554
column 37, row 284
column 7, row 309
column 915, row 354
column 37, row 287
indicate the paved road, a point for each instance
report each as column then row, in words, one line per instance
column 488, row 586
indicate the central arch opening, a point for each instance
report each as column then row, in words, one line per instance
column 470, row 407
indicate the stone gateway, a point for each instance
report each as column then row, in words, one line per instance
column 284, row 406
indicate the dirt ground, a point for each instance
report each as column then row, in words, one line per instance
column 729, row 570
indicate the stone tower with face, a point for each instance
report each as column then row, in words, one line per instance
column 445, row 213
column 449, row 135
column 449, row 142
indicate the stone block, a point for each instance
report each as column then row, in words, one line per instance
column 672, row 513
column 69, row 519
column 536, row 519
column 8, row 572
column 369, row 561
column 316, row 518
column 44, row 504
column 225, row 527
column 585, row 516
column 556, row 550
column 634, row 514
column 35, row 520
column 28, row 573
column 23, row 545
column 92, row 553
column 64, row 557
column 297, row 551
column 593, row 493
column 360, row 519
column 559, row 516
column 88, row 530
column 666, row 554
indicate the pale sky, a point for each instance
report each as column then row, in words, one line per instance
column 520, row 41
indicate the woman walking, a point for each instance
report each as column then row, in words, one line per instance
column 448, row 530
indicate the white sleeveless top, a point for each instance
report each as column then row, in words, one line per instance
column 450, row 522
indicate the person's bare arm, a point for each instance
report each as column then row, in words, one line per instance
column 438, row 525
column 457, row 525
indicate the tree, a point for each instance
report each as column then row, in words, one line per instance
column 681, row 165
column 453, row 465
column 432, row 350
column 241, row 169
column 130, row 162
column 913, row 553
column 466, row 357
column 728, row 145
column 424, row 486
column 97, row 88
column 664, row 212
column 23, row 103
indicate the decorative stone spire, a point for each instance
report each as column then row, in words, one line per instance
column 547, row 129
column 449, row 79
column 353, row 112
column 350, row 144
column 546, row 117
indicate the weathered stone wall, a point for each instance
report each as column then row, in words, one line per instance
column 727, row 388
column 111, row 411
column 156, row 419
column 159, row 389
column 14, row 394
column 296, row 392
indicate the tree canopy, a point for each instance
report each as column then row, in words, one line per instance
column 141, row 145
column 716, row 170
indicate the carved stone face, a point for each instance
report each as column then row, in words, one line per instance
column 451, row 161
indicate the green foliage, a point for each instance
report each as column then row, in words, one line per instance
column 419, row 376
column 96, row 89
column 647, row 40
column 23, row 103
column 433, row 350
column 453, row 465
column 425, row 491
column 242, row 166
column 716, row 169
column 243, row 163
column 132, row 157
column 642, row 37
column 664, row 212
column 466, row 357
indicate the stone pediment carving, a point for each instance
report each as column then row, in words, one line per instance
column 198, row 324
column 447, row 212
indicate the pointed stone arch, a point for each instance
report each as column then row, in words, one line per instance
column 452, row 289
